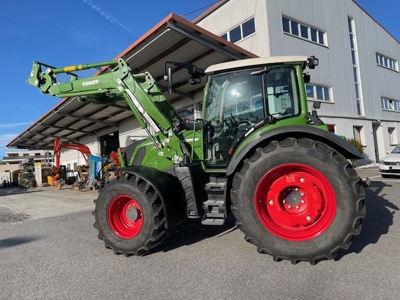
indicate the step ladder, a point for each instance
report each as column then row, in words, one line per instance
column 214, row 207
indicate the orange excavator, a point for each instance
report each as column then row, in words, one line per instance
column 91, row 175
column 59, row 172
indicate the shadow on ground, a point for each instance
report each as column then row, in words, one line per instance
column 193, row 231
column 16, row 241
column 379, row 218
column 17, row 190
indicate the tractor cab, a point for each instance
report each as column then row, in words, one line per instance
column 241, row 98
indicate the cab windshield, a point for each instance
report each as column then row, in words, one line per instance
column 236, row 101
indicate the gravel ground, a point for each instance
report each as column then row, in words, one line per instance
column 9, row 216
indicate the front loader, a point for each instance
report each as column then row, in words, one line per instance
column 257, row 152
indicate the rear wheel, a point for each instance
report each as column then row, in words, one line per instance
column 129, row 216
column 298, row 199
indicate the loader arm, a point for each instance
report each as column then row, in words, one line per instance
column 148, row 104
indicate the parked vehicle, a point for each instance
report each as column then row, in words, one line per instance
column 390, row 164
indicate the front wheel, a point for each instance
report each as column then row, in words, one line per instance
column 130, row 216
column 298, row 199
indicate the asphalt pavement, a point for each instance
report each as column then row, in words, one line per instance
column 49, row 250
column 43, row 202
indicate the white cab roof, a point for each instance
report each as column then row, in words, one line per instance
column 243, row 63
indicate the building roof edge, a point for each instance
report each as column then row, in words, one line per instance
column 380, row 25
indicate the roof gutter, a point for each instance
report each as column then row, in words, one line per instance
column 209, row 11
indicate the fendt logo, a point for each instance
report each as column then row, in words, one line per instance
column 92, row 82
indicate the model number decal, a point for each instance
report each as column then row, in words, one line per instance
column 92, row 82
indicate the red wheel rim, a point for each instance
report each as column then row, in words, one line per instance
column 125, row 216
column 295, row 202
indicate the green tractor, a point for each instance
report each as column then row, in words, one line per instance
column 257, row 152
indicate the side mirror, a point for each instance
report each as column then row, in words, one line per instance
column 307, row 77
column 312, row 62
column 194, row 79
column 195, row 73
column 316, row 105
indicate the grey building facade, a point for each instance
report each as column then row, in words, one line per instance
column 357, row 80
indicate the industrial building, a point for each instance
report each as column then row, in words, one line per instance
column 356, row 81
column 19, row 157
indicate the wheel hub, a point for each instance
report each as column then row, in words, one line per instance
column 132, row 213
column 295, row 202
column 293, row 198
column 125, row 216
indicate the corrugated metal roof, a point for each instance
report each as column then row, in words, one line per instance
column 173, row 39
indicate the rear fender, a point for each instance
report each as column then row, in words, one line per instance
column 314, row 133
column 169, row 189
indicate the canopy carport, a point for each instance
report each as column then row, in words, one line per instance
column 173, row 39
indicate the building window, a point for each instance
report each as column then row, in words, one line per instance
column 235, row 34
column 240, row 32
column 387, row 62
column 318, row 92
column 392, row 135
column 248, row 28
column 356, row 69
column 75, row 166
column 358, row 134
column 303, row 31
column 390, row 104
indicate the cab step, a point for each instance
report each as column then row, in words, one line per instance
column 214, row 208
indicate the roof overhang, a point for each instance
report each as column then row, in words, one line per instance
column 173, row 39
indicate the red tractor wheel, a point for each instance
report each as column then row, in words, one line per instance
column 295, row 202
column 130, row 216
column 298, row 199
column 125, row 216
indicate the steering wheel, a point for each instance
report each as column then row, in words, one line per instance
column 238, row 126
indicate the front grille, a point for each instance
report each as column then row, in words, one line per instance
column 397, row 171
column 395, row 163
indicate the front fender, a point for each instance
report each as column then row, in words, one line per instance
column 314, row 133
column 168, row 187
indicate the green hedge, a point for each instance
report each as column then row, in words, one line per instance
column 357, row 144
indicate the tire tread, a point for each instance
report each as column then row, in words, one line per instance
column 334, row 157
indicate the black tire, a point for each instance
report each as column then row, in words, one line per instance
column 130, row 216
column 298, row 200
